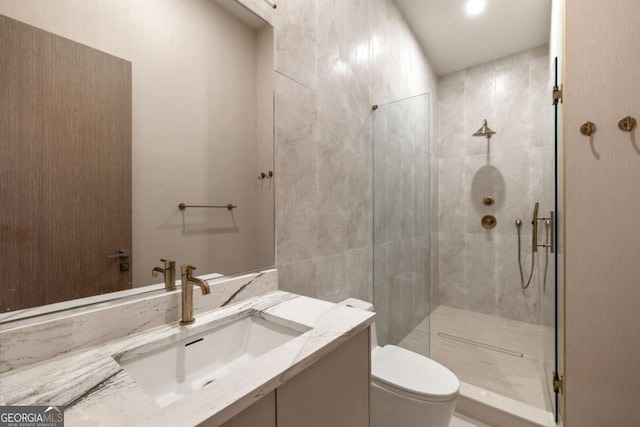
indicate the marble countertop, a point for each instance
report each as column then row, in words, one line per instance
column 96, row 390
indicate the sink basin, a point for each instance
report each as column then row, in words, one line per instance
column 170, row 373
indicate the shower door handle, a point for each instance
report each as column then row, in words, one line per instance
column 552, row 225
column 534, row 229
column 550, row 222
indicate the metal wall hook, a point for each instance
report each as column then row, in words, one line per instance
column 588, row 129
column 627, row 124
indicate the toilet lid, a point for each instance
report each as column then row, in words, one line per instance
column 412, row 374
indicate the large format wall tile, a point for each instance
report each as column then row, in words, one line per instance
column 452, row 289
column 344, row 165
column 333, row 59
column 398, row 66
column 480, row 273
column 359, row 274
column 452, row 203
column 452, row 133
column 505, row 178
column 479, row 104
column 511, row 93
column 343, row 53
column 299, row 277
column 297, row 175
column 296, row 41
column 513, row 104
column 513, row 302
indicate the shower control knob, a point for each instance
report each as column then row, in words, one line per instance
column 489, row 221
column 488, row 200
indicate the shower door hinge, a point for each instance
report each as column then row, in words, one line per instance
column 557, row 95
column 558, row 383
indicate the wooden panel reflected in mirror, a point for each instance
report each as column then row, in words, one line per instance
column 201, row 111
column 66, row 169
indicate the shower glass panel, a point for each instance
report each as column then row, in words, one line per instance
column 401, row 197
column 552, row 293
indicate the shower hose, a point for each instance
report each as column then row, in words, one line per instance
column 533, row 261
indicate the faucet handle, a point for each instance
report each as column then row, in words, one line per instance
column 188, row 269
column 169, row 273
column 168, row 263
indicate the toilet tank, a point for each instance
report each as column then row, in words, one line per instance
column 366, row 306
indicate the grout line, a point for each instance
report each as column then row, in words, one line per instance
column 487, row 346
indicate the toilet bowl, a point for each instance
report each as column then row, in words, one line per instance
column 407, row 389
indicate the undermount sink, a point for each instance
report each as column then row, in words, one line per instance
column 172, row 372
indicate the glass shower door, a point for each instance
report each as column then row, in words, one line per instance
column 401, row 237
column 552, row 297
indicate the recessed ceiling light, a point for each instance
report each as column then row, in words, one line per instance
column 474, row 7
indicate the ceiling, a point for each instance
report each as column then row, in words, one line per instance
column 454, row 40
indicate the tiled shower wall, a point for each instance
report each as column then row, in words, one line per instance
column 478, row 268
column 334, row 60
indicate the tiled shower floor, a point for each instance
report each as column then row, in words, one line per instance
column 520, row 378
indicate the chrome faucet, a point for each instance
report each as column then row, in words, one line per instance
column 187, row 293
column 169, row 273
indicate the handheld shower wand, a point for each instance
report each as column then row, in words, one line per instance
column 549, row 243
column 534, row 246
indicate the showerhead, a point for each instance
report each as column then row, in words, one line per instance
column 484, row 130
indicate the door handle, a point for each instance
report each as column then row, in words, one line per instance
column 123, row 253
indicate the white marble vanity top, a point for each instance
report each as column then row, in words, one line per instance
column 96, row 390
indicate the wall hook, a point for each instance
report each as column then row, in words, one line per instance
column 627, row 124
column 588, row 129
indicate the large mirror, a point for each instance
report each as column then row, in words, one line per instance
column 115, row 113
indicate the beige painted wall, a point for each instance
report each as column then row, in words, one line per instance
column 602, row 178
column 195, row 91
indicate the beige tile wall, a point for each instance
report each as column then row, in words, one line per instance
column 334, row 59
column 478, row 269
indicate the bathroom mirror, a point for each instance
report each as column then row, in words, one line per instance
column 178, row 96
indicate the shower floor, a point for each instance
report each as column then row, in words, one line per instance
column 505, row 373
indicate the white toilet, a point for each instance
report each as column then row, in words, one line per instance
column 407, row 389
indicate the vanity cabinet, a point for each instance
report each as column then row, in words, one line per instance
column 334, row 391
column 260, row 414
